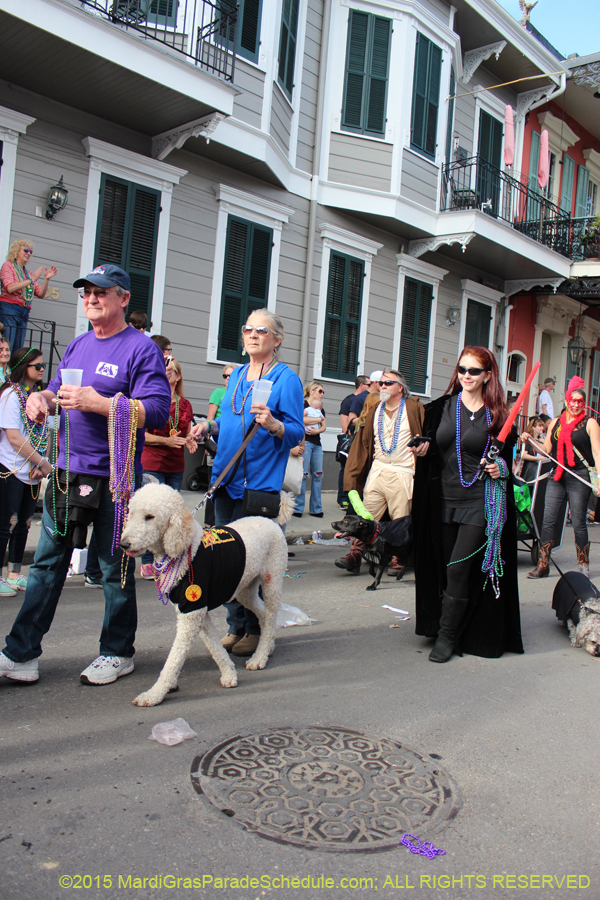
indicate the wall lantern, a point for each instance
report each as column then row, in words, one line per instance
column 57, row 199
column 453, row 316
column 576, row 348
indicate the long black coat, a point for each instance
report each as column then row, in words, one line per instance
column 491, row 626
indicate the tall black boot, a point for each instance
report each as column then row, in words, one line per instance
column 453, row 610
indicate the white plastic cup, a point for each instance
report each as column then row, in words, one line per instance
column 72, row 376
column 261, row 391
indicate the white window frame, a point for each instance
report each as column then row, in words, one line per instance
column 12, row 124
column 421, row 271
column 254, row 208
column 472, row 290
column 106, row 159
column 351, row 244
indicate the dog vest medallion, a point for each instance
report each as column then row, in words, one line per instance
column 217, row 568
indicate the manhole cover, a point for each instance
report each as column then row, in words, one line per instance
column 326, row 788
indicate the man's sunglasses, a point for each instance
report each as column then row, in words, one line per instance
column 474, row 373
column 99, row 292
column 259, row 329
column 39, row 367
column 226, row 376
column 387, row 383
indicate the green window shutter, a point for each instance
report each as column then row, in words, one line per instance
column 426, row 96
column 249, row 16
column 566, row 194
column 367, row 64
column 583, row 181
column 533, row 205
column 287, row 45
column 416, row 324
column 245, row 281
column 127, row 233
column 163, row 12
column 477, row 325
column 342, row 321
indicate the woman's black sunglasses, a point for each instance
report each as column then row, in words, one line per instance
column 462, row 370
column 39, row 367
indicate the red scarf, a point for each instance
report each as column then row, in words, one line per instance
column 564, row 440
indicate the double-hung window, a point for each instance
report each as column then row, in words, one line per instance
column 126, row 235
column 342, row 319
column 426, row 96
column 366, row 77
column 416, row 326
column 245, row 281
column 287, row 45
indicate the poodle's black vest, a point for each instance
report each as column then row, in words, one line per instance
column 218, row 567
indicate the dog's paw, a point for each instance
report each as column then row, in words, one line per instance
column 229, row 680
column 372, row 587
column 148, row 698
column 256, row 662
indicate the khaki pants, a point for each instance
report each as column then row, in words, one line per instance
column 388, row 488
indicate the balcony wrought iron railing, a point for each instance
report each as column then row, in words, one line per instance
column 41, row 333
column 204, row 32
column 474, row 183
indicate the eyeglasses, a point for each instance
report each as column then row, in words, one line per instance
column 27, row 250
column 226, row 376
column 39, row 367
column 259, row 329
column 387, row 383
column 462, row 370
column 100, row 293
column 318, row 391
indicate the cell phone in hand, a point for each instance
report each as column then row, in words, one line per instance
column 418, row 440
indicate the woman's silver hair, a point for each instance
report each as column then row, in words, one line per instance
column 276, row 324
column 401, row 380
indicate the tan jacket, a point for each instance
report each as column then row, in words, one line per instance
column 360, row 458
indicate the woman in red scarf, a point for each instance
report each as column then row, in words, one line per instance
column 574, row 440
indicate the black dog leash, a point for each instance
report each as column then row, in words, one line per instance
column 235, row 458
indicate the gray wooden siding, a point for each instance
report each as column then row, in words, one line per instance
column 364, row 163
column 248, row 106
column 465, row 109
column 309, row 86
column 281, row 119
column 419, row 179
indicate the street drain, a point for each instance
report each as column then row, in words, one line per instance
column 326, row 788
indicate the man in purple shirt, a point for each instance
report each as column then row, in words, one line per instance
column 114, row 358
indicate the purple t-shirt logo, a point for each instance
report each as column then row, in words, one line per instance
column 107, row 369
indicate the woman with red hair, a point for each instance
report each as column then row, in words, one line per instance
column 574, row 440
column 465, row 542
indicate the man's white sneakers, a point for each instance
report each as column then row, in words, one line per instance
column 106, row 669
column 25, row 671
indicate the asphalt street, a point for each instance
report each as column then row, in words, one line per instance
column 91, row 807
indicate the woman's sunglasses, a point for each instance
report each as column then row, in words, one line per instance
column 259, row 329
column 226, row 376
column 39, row 367
column 474, row 373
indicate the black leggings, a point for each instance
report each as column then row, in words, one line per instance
column 458, row 542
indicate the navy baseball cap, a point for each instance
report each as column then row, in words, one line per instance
column 105, row 276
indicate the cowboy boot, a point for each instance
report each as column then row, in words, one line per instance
column 453, row 610
column 396, row 568
column 351, row 562
column 583, row 559
column 543, row 567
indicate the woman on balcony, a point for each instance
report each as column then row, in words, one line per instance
column 18, row 286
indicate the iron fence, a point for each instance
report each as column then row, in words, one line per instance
column 42, row 334
column 474, row 183
column 204, row 32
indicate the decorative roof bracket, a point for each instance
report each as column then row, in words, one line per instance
column 164, row 143
column 473, row 58
column 429, row 245
column 518, row 287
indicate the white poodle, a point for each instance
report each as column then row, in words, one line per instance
column 159, row 521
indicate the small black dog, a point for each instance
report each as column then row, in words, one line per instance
column 383, row 540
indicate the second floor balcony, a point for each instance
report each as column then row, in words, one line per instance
column 475, row 184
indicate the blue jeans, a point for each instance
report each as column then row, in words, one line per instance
column 15, row 319
column 15, row 500
column 313, row 466
column 173, row 480
column 45, row 583
column 240, row 620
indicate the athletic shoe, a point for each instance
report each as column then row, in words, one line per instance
column 92, row 582
column 106, row 669
column 25, row 671
column 147, row 572
column 5, row 589
column 18, row 583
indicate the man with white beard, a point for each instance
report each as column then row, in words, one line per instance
column 381, row 465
